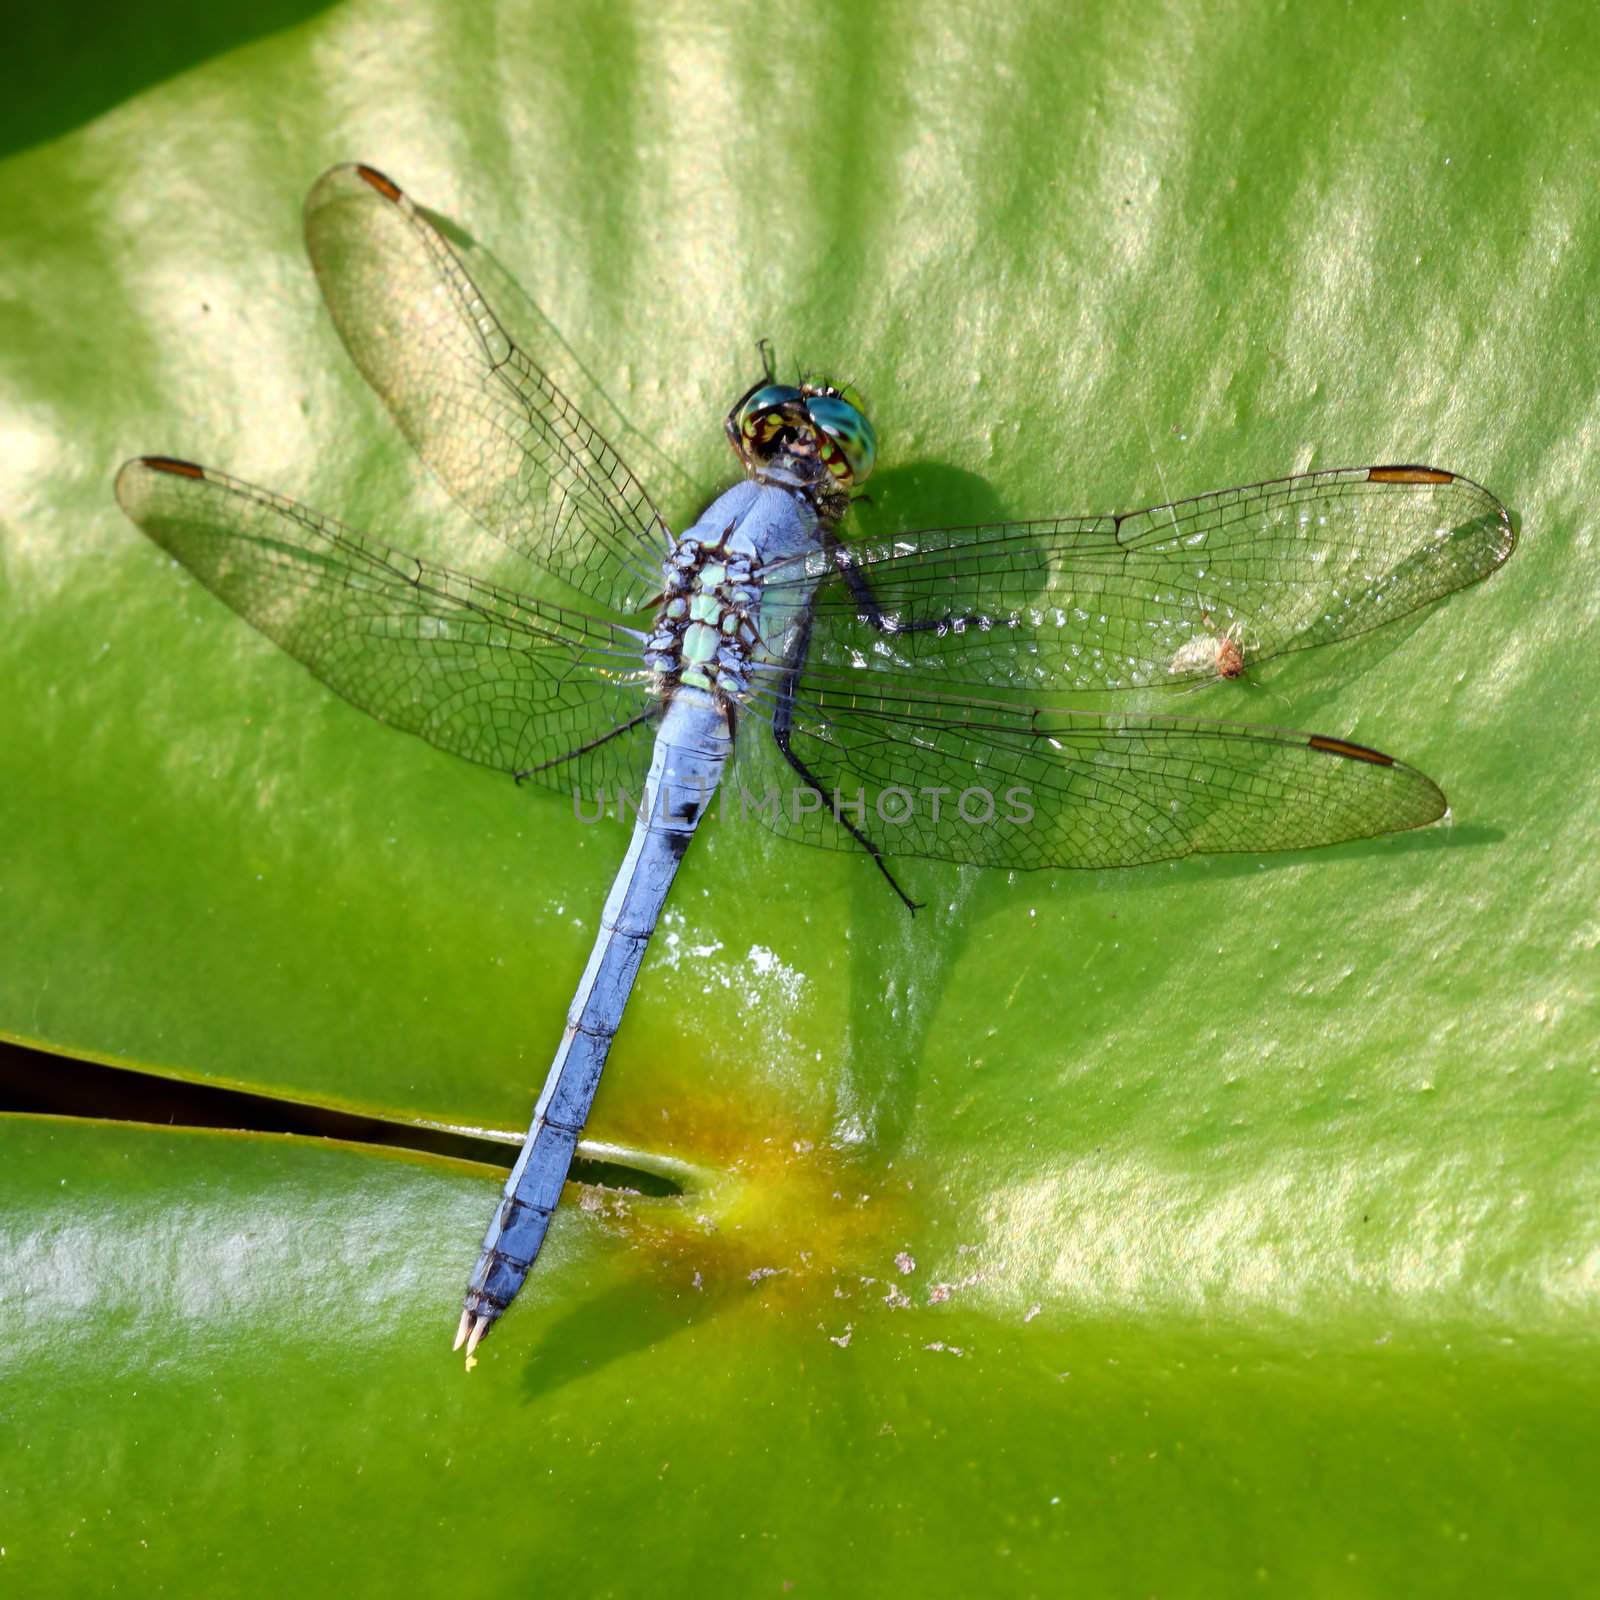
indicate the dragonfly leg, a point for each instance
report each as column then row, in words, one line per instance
column 856, row 582
column 621, row 728
column 782, row 721
column 913, row 906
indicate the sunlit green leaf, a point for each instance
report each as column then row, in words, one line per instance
column 1251, row 1206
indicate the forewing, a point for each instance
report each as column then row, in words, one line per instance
column 1018, row 786
column 498, row 433
column 1118, row 602
column 509, row 682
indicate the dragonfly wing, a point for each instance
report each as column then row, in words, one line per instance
column 509, row 682
column 497, row 432
column 1118, row 602
column 1019, row 786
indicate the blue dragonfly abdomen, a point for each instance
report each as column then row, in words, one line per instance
column 709, row 635
column 691, row 748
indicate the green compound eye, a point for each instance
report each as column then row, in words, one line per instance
column 849, row 429
column 763, row 400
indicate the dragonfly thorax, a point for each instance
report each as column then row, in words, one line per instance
column 705, row 629
column 717, row 621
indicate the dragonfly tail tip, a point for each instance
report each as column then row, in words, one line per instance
column 461, row 1330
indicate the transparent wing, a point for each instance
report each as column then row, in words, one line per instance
column 510, row 682
column 1031, row 786
column 1119, row 602
column 498, row 433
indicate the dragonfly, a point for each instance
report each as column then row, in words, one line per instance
column 873, row 677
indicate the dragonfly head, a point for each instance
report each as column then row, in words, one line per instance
column 812, row 433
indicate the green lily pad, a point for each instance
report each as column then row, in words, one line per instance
column 220, row 1383
column 1250, row 1205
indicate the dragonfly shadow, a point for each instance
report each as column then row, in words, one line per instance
column 634, row 1315
column 1208, row 869
column 921, row 494
column 876, row 1093
column 896, row 975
